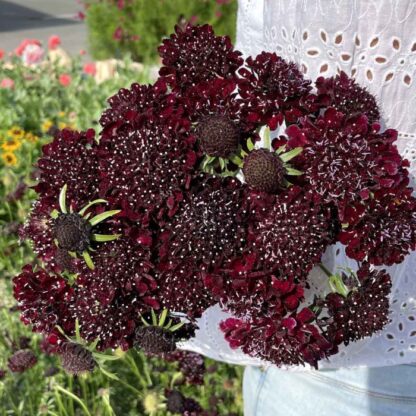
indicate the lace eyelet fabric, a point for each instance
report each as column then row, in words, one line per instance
column 374, row 41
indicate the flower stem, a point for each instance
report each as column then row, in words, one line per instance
column 325, row 270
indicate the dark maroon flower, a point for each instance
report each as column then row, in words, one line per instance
column 21, row 361
column 263, row 170
column 195, row 54
column 76, row 359
column 72, row 232
column 154, row 339
column 44, row 299
column 191, row 365
column 269, row 87
column 216, row 111
column 177, row 403
column 156, row 165
column 141, row 104
column 2, row 374
column 208, row 230
column 345, row 95
column 383, row 231
column 294, row 234
column 343, row 159
column 293, row 340
column 70, row 159
column 364, row 311
column 18, row 192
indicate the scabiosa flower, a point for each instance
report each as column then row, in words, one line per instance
column 263, row 170
column 269, row 86
column 343, row 160
column 76, row 359
column 294, row 340
column 70, row 159
column 345, row 95
column 191, row 365
column 195, row 54
column 157, row 164
column 21, row 361
column 363, row 311
column 44, row 299
column 293, row 236
column 177, row 403
column 383, row 231
column 155, row 339
column 208, row 230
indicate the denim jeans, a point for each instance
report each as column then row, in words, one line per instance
column 383, row 391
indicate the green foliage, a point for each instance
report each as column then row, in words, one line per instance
column 38, row 99
column 144, row 23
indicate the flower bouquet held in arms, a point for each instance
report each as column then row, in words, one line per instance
column 186, row 199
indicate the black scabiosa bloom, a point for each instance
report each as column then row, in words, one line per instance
column 271, row 87
column 208, row 231
column 21, row 361
column 44, row 299
column 195, row 54
column 156, row 164
column 177, row 403
column 345, row 95
column 363, row 311
column 76, row 359
column 190, row 364
column 70, row 159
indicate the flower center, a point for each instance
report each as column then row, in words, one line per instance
column 218, row 136
column 72, row 232
column 263, row 170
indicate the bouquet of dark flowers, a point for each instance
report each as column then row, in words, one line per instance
column 186, row 200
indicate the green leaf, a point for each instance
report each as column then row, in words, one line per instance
column 291, row 154
column 293, row 172
column 108, row 374
column 154, row 317
column 55, row 214
column 337, row 285
column 162, row 317
column 76, row 398
column 101, row 238
column 96, row 201
column 103, row 216
column 236, row 160
column 88, row 259
column 62, row 199
column 177, row 326
column 222, row 163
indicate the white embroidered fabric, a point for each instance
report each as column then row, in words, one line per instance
column 375, row 42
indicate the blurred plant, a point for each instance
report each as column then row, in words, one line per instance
column 137, row 27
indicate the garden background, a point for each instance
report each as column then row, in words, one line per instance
column 59, row 62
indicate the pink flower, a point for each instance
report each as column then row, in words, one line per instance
column 7, row 83
column 218, row 14
column 121, row 4
column 19, row 50
column 82, row 52
column 53, row 42
column 118, row 33
column 90, row 68
column 1, row 54
column 81, row 15
column 32, row 54
column 135, row 38
column 65, row 80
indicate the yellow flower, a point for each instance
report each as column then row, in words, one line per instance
column 16, row 132
column 62, row 125
column 10, row 145
column 30, row 137
column 9, row 158
column 46, row 125
column 61, row 114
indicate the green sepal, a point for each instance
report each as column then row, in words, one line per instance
column 222, row 163
column 250, row 144
column 77, row 332
column 103, row 216
column 285, row 157
column 267, row 142
column 177, row 326
column 236, row 160
column 101, row 238
column 154, row 317
column 62, row 199
column 145, row 323
column 88, row 259
column 281, row 149
column 345, row 225
column 162, row 317
column 293, row 172
column 96, row 201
